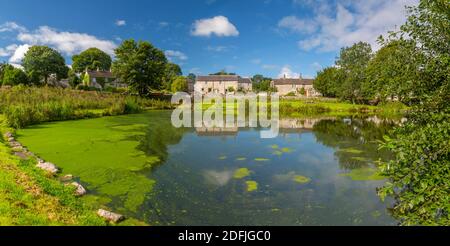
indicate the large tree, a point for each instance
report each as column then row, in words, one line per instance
column 42, row 61
column 353, row 62
column 91, row 59
column 394, row 71
column 140, row 65
column 420, row 173
column 328, row 81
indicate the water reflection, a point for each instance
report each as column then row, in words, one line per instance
column 318, row 171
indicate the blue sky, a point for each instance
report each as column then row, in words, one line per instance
column 269, row 37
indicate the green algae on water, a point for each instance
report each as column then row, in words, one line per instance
column 364, row 174
column 277, row 152
column 241, row 173
column 241, row 159
column 262, row 159
column 286, row 150
column 350, row 150
column 222, row 157
column 274, row 146
column 251, row 185
column 301, row 179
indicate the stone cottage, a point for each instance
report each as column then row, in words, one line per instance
column 297, row 86
column 222, row 84
column 101, row 79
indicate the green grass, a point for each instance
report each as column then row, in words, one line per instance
column 324, row 106
column 29, row 197
column 23, row 106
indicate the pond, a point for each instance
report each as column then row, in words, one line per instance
column 318, row 171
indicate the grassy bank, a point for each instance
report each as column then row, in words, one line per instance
column 23, row 106
column 328, row 107
column 29, row 197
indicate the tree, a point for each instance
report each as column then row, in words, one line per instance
column 222, row 72
column 91, row 59
column 261, row 83
column 191, row 77
column 74, row 80
column 14, row 76
column 43, row 61
column 172, row 72
column 3, row 67
column 140, row 65
column 419, row 176
column 328, row 81
column 353, row 62
column 179, row 84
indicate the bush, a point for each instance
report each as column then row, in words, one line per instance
column 23, row 106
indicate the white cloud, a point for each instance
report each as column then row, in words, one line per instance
column 19, row 53
column 219, row 26
column 297, row 25
column 269, row 66
column 121, row 23
column 68, row 43
column 287, row 72
column 217, row 48
column 11, row 26
column 8, row 50
column 316, row 66
column 344, row 22
column 163, row 24
column 174, row 54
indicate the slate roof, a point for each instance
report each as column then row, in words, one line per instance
column 296, row 81
column 100, row 74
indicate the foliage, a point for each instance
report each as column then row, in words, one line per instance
column 23, row 106
column 91, row 59
column 420, row 174
column 328, row 81
column 140, row 65
column 172, row 72
column 179, row 84
column 43, row 61
column 261, row 83
column 14, row 76
column 393, row 72
column 74, row 80
column 353, row 62
column 222, row 72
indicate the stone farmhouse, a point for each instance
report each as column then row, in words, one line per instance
column 222, row 84
column 297, row 86
column 101, row 79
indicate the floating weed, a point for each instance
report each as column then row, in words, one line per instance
column 262, row 159
column 251, row 185
column 275, row 210
column 364, row 174
column 286, row 150
column 301, row 179
column 241, row 173
column 351, row 150
column 277, row 152
column 274, row 146
column 222, row 157
column 241, row 159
